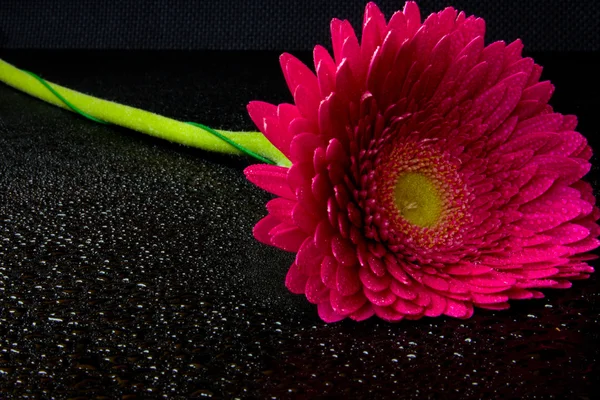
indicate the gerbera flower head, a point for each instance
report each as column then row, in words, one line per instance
column 428, row 173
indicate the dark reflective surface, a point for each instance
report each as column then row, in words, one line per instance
column 128, row 268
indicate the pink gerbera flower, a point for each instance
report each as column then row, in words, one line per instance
column 429, row 174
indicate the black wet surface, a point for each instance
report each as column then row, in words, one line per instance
column 128, row 269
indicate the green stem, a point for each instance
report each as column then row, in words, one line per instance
column 142, row 121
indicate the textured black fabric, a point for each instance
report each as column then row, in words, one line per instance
column 128, row 268
column 269, row 24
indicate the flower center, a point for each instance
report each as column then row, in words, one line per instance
column 417, row 199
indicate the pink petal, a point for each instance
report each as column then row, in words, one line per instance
column 505, row 107
column 565, row 170
column 341, row 31
column 329, row 269
column 346, row 86
column 539, row 273
column 265, row 117
column 528, row 108
column 308, row 103
column 354, row 215
column 327, row 314
column 321, row 188
column 388, row 313
column 303, row 146
column 345, row 305
column 263, row 227
column 435, row 282
column 519, row 294
column 374, row 30
column 515, row 160
column 472, row 27
column 383, row 57
column 309, row 258
column 325, row 68
column 494, row 306
column 467, row 269
column 488, row 299
column 287, row 238
column 493, row 281
column 295, row 280
column 534, row 141
column 376, row 266
column 423, row 298
column 332, row 118
column 562, row 285
column 396, row 270
column 296, row 74
column 494, row 56
column 535, row 188
column 335, row 152
column 300, row 125
column 413, row 17
column 372, row 281
column 397, row 22
column 347, row 282
column 304, row 219
column 259, row 110
column 281, row 209
column 569, row 122
column 407, row 307
column 473, row 80
column 436, row 307
column 539, row 222
column 270, row 178
column 404, row 291
column 541, row 92
column 366, row 311
column 382, row 298
column 537, row 254
column 337, row 40
column 502, row 133
column 571, row 141
column 316, row 291
column 337, row 173
column 522, row 65
column 323, row 234
column 343, row 251
column 299, row 175
column 513, row 51
column 540, row 123
column 583, row 246
column 458, row 309
column 351, row 52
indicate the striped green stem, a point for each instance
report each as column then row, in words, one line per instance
column 193, row 135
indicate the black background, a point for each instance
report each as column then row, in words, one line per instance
column 128, row 269
column 544, row 25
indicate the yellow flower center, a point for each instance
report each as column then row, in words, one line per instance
column 417, row 199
